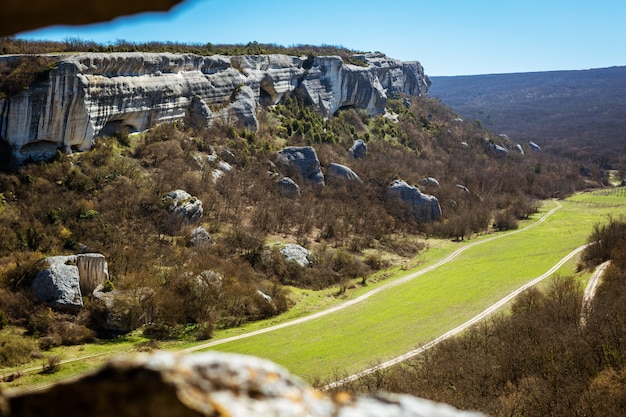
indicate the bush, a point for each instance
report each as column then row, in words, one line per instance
column 4, row 320
column 51, row 364
column 15, row 351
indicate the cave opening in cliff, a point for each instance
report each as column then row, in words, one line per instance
column 265, row 97
column 115, row 127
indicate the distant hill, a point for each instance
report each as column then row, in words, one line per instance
column 579, row 114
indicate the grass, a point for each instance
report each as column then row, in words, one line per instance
column 400, row 318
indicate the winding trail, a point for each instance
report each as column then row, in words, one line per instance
column 369, row 294
column 590, row 291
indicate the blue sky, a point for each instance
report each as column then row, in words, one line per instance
column 449, row 37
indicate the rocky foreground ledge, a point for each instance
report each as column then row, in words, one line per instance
column 207, row 384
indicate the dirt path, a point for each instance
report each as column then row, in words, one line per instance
column 590, row 290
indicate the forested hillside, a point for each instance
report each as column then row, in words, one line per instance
column 578, row 114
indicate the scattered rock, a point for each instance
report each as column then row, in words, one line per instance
column 63, row 280
column 534, row 146
column 302, row 159
column 58, row 283
column 288, row 188
column 229, row 157
column 298, row 254
column 341, row 174
column 430, row 182
column 200, row 237
column 165, row 384
column 184, row 205
column 500, row 150
column 358, row 149
column 425, row 208
column 463, row 189
column 465, row 144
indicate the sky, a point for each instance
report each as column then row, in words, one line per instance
column 448, row 37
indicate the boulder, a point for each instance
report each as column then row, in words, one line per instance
column 166, row 384
column 463, row 189
column 58, row 283
column 200, row 237
column 519, row 149
column 358, row 149
column 423, row 207
column 229, row 157
column 183, row 205
column 63, row 280
column 288, row 188
column 338, row 173
column 298, row 254
column 534, row 146
column 303, row 160
column 430, row 182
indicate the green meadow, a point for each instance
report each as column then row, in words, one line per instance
column 404, row 317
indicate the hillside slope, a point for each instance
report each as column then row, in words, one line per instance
column 578, row 114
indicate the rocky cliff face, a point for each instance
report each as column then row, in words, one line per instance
column 96, row 94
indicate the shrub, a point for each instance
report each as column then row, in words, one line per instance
column 15, row 351
column 4, row 319
column 51, row 364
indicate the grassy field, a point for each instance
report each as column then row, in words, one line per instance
column 397, row 319
column 404, row 317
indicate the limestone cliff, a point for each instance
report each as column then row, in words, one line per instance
column 88, row 95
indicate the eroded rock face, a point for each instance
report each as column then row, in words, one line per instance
column 425, row 208
column 207, row 384
column 95, row 94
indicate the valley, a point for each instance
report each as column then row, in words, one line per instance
column 445, row 287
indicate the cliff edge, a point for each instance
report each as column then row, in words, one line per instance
column 92, row 94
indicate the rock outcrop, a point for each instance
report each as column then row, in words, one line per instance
column 207, row 384
column 93, row 94
column 302, row 161
column 423, row 207
column 63, row 280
